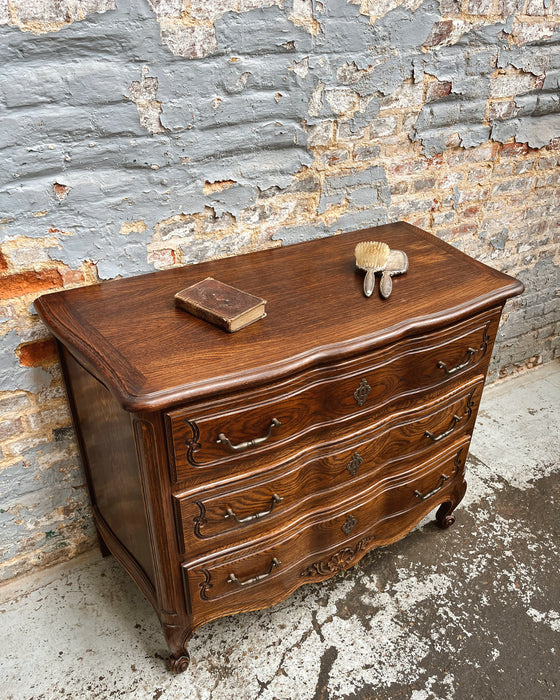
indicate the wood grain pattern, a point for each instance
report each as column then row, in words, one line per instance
column 108, row 442
column 379, row 514
column 304, row 487
column 316, row 309
column 320, row 405
column 376, row 399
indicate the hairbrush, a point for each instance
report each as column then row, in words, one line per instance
column 372, row 257
column 397, row 264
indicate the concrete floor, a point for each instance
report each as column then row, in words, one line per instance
column 471, row 612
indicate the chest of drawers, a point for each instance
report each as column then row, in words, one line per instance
column 225, row 470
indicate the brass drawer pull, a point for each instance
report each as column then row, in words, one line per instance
column 349, row 524
column 354, row 464
column 230, row 514
column 250, row 443
column 423, row 496
column 232, row 578
column 470, row 354
column 437, row 438
column 362, row 392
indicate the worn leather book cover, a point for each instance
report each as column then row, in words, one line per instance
column 221, row 304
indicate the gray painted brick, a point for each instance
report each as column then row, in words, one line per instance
column 261, row 31
column 366, row 152
column 364, row 177
column 364, row 197
column 357, row 219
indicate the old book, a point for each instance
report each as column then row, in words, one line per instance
column 221, row 304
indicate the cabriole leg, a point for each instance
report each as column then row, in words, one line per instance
column 444, row 515
column 177, row 639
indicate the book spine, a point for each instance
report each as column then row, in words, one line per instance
column 204, row 314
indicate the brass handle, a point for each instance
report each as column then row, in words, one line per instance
column 232, row 578
column 230, row 514
column 250, row 443
column 437, row 438
column 423, row 496
column 470, row 354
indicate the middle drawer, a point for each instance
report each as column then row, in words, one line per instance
column 253, row 507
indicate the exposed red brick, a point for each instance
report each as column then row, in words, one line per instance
column 547, row 163
column 440, row 33
column 37, row 353
column 434, row 161
column 162, row 258
column 477, row 174
column 471, row 155
column 3, row 262
column 422, row 221
column 462, row 230
column 408, row 167
column 61, row 191
column 479, row 7
column 501, row 110
column 336, row 157
column 437, row 89
column 72, row 276
column 29, row 282
column 470, row 212
column 514, row 149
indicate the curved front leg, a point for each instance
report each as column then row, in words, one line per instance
column 444, row 515
column 177, row 638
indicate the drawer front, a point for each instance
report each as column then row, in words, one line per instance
column 258, row 576
column 255, row 430
column 255, row 507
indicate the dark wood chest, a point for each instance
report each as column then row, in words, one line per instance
column 225, row 470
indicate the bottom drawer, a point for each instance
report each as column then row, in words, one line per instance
column 255, row 577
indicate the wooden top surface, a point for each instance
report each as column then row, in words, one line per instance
column 151, row 354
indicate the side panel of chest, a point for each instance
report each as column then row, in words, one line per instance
column 108, row 447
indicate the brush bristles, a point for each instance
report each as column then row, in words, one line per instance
column 372, row 254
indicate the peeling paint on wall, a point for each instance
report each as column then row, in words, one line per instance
column 187, row 28
column 144, row 93
column 42, row 16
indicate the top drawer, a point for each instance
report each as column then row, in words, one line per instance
column 227, row 438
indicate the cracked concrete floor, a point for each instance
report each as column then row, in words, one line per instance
column 471, row 612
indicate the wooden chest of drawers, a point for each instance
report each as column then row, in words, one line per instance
column 226, row 470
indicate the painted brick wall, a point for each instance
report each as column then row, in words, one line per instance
column 142, row 134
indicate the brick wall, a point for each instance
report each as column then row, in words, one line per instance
column 140, row 135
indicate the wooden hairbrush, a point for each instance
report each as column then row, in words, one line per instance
column 372, row 257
